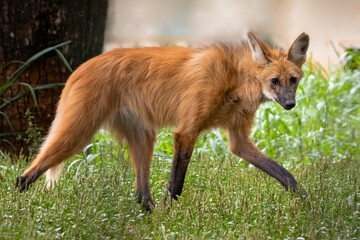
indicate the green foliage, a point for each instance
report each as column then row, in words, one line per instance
column 353, row 59
column 101, row 153
column 33, row 134
column 322, row 124
column 222, row 199
column 11, row 81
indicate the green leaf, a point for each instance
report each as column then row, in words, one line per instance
column 10, row 134
column 8, row 142
column 6, row 102
column 10, row 63
column 32, row 92
column 91, row 157
column 19, row 71
column 4, row 87
column 51, row 85
column 73, row 162
column 63, row 59
column 7, row 119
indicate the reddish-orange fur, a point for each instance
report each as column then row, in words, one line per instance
column 134, row 92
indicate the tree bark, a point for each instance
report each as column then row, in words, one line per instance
column 31, row 26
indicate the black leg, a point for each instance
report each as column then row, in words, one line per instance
column 181, row 160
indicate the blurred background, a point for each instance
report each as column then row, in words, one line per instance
column 331, row 24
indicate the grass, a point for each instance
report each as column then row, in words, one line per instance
column 223, row 196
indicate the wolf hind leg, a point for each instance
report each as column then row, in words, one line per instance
column 141, row 142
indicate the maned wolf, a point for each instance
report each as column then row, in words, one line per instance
column 134, row 92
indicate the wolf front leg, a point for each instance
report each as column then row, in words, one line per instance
column 242, row 146
column 184, row 145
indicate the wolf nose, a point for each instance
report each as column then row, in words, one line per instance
column 289, row 105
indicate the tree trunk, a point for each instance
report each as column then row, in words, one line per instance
column 29, row 27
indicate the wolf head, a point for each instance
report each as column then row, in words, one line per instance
column 280, row 71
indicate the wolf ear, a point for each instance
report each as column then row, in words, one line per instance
column 260, row 53
column 297, row 51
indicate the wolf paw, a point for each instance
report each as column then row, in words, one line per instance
column 146, row 201
column 23, row 183
column 148, row 204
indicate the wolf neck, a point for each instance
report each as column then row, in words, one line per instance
column 249, row 81
column 240, row 73
column 231, row 70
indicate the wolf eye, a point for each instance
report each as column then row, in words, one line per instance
column 275, row 81
column 293, row 79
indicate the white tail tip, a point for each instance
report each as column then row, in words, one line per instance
column 53, row 175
